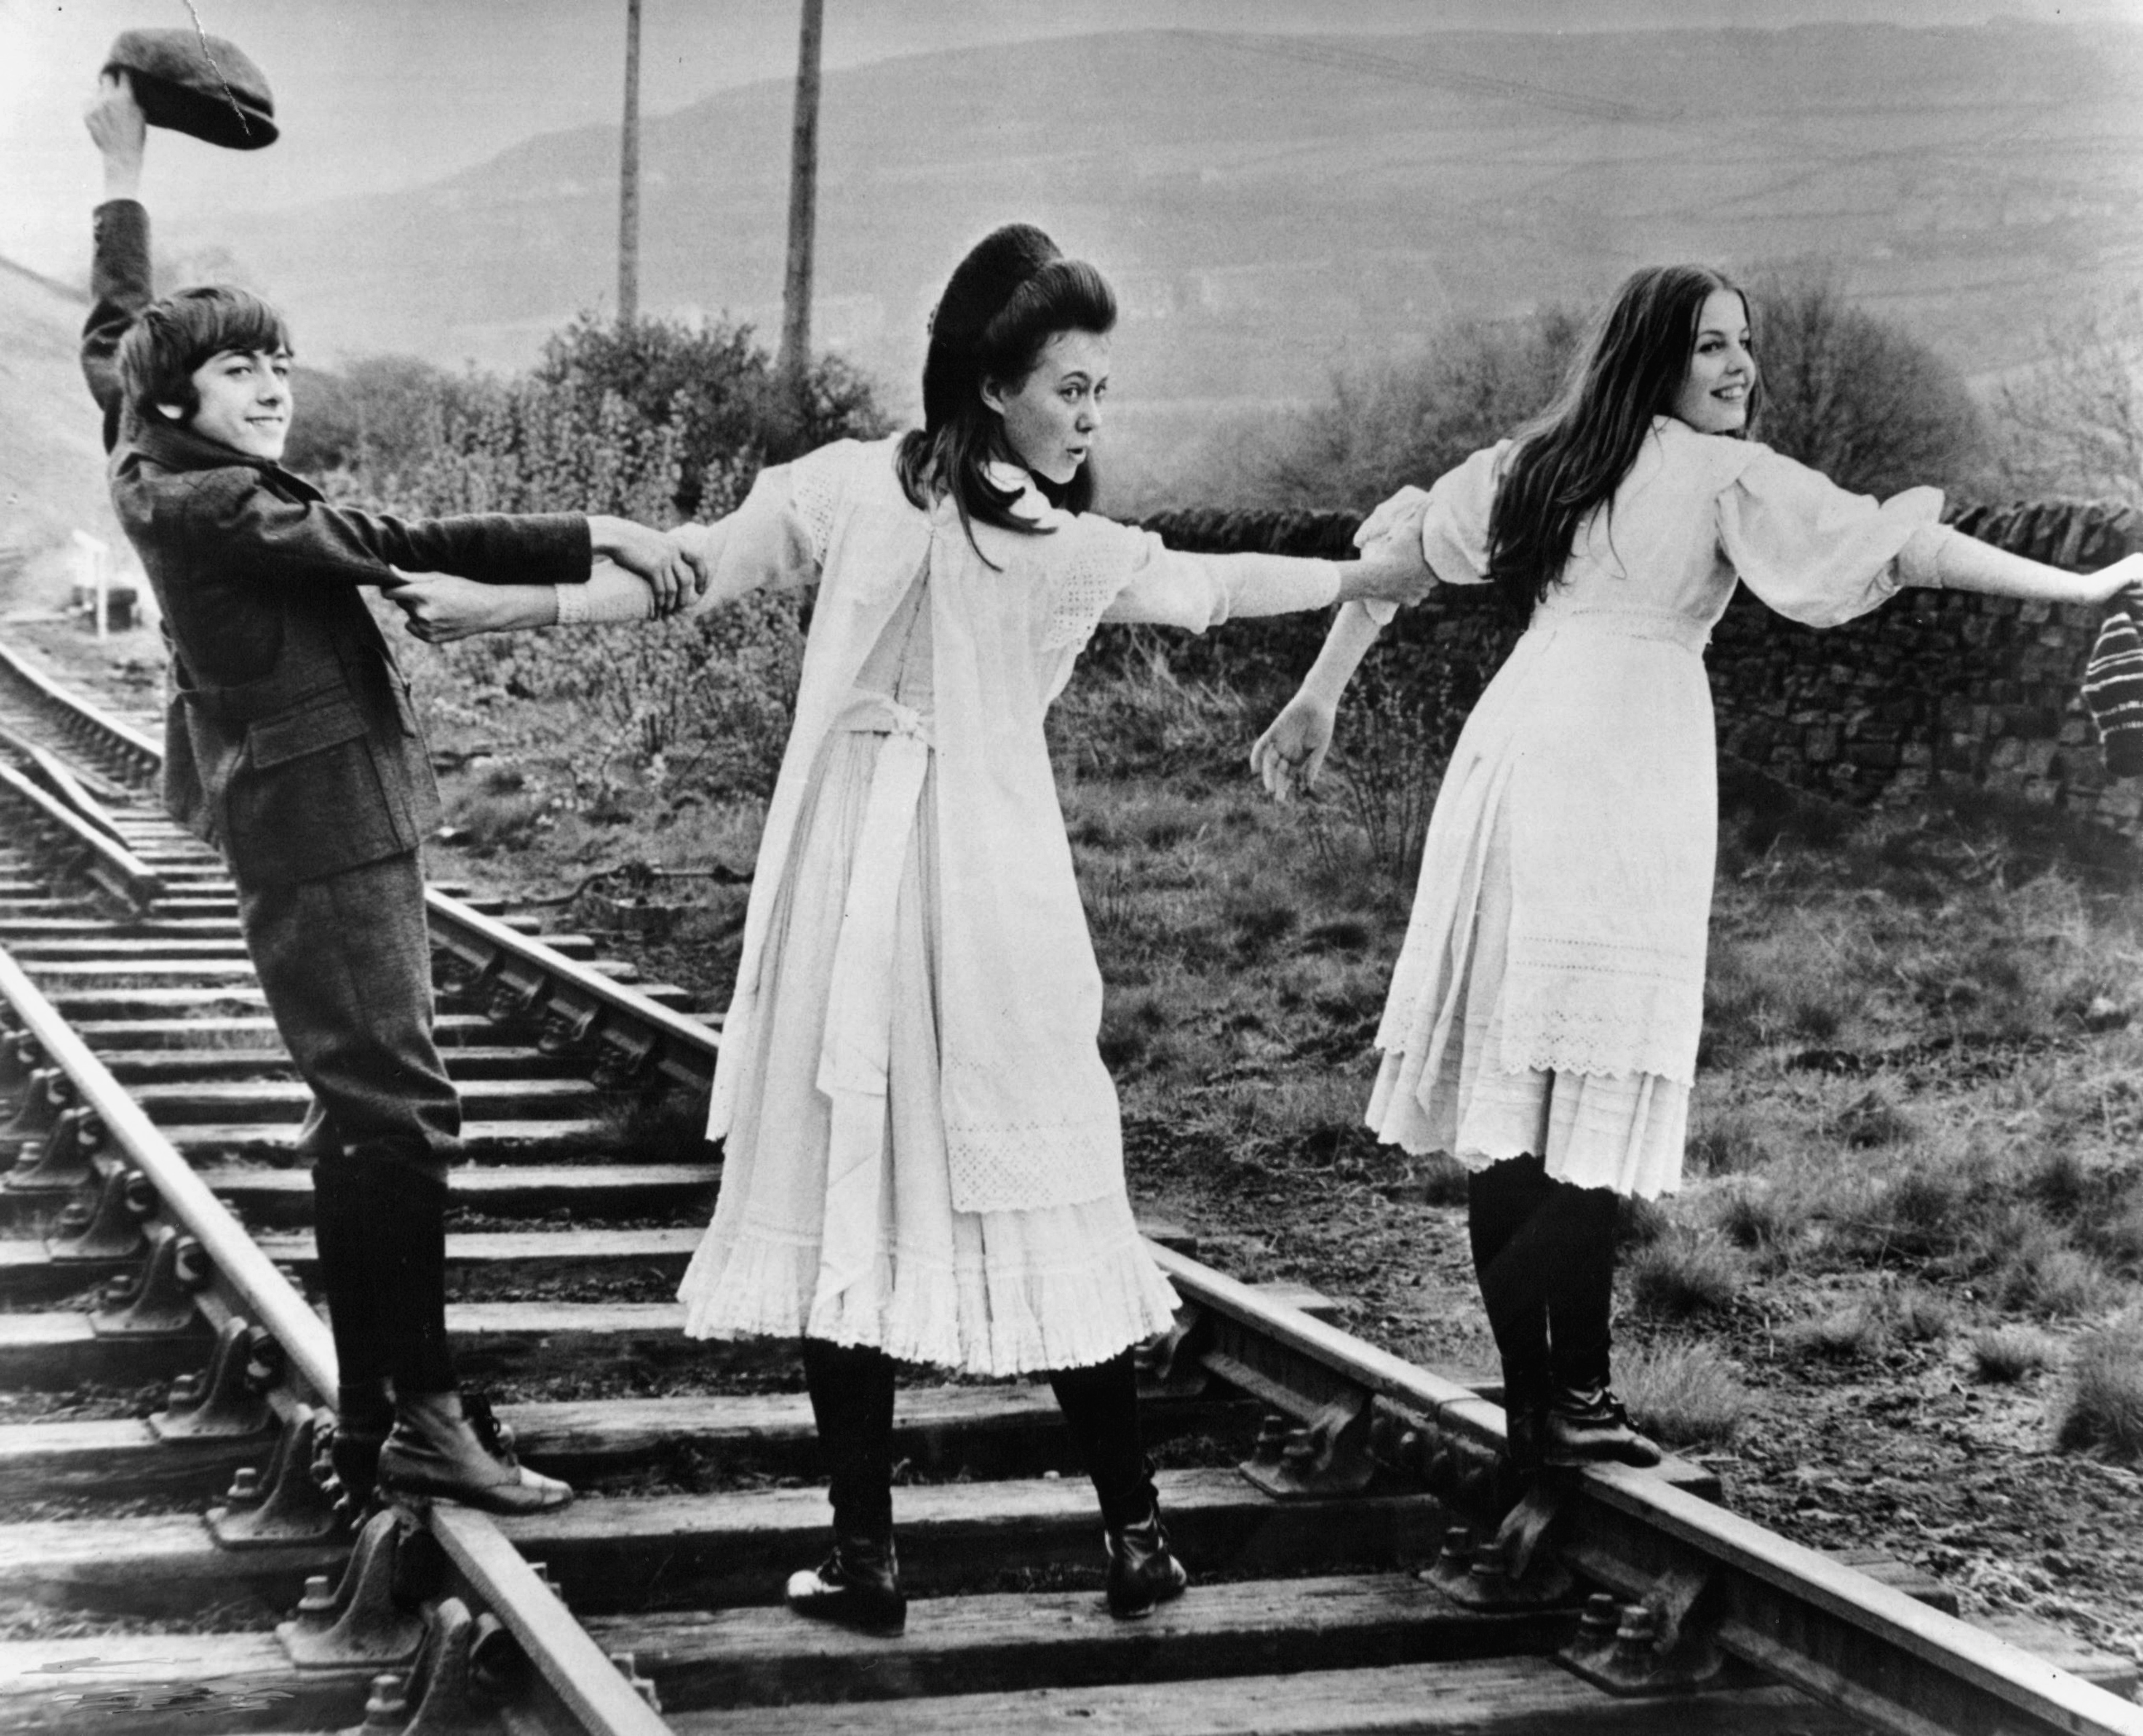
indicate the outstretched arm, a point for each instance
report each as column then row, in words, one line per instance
column 119, row 273
column 1290, row 755
column 1940, row 558
column 442, row 609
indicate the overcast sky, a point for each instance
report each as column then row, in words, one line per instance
column 376, row 94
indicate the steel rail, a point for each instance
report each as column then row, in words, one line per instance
column 575, row 1004
column 598, row 1698
column 106, row 861
column 1827, row 1629
column 80, row 719
column 574, row 1667
column 267, row 1296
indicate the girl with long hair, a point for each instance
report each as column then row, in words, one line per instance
column 923, row 1158
column 1542, row 1020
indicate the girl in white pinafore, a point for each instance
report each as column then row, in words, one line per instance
column 923, row 1157
column 1542, row 1021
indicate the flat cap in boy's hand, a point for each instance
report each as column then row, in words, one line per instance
column 197, row 84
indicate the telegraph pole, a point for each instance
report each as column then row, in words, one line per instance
column 628, row 177
column 795, row 360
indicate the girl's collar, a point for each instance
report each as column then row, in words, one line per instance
column 1028, row 501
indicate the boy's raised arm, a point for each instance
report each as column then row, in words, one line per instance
column 120, row 285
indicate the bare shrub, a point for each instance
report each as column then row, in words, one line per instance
column 1683, row 1275
column 2004, row 1355
column 2073, row 423
column 1858, row 398
column 1852, row 1334
column 1683, row 1394
column 2104, row 1406
column 1389, row 750
column 1412, row 421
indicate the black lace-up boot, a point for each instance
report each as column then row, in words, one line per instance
column 857, row 1585
column 1143, row 1571
column 1588, row 1426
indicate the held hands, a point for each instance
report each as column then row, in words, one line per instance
column 1392, row 570
column 1290, row 753
column 676, row 570
column 443, row 607
column 2108, row 583
column 120, row 131
column 1400, row 516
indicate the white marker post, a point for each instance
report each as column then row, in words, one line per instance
column 93, row 561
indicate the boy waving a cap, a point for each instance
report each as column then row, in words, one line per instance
column 291, row 743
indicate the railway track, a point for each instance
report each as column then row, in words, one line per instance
column 1336, row 1503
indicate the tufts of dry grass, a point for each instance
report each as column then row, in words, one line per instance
column 2004, row 1355
column 2103, row 1410
column 1853, row 1333
column 1685, row 1274
column 2044, row 1274
column 1921, row 1315
column 1682, row 1393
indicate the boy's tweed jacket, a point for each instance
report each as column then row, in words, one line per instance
column 290, row 739
column 2113, row 685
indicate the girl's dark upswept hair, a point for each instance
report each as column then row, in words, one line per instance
column 1012, row 293
column 1573, row 457
column 173, row 337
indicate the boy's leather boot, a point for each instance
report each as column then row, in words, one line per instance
column 857, row 1585
column 1588, row 1426
column 444, row 1448
column 1143, row 1571
column 363, row 1419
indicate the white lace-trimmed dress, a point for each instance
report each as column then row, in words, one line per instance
column 805, row 1240
column 1548, row 995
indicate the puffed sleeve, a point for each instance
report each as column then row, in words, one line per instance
column 1454, row 524
column 1817, row 553
column 1454, row 528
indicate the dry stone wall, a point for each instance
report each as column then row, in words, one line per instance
column 1934, row 688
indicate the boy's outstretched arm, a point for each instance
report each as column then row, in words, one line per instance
column 120, row 285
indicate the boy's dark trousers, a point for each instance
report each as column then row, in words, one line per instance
column 345, row 961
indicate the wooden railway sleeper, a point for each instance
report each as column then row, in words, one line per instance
column 108, row 1220
column 228, row 1400
column 64, row 1160
column 289, row 1505
column 160, row 1299
column 367, row 1620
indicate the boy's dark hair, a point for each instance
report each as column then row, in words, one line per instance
column 173, row 337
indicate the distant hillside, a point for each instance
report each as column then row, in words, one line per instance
column 1269, row 206
column 51, row 456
